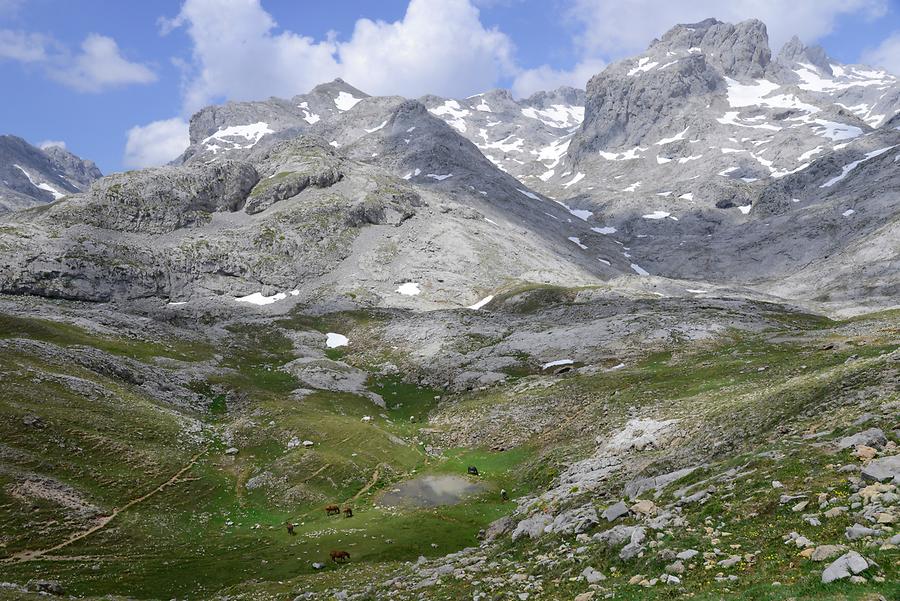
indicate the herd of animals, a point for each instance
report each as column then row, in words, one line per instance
column 339, row 556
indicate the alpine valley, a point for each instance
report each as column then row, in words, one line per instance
column 637, row 341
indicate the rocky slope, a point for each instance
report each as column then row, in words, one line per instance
column 30, row 176
column 295, row 213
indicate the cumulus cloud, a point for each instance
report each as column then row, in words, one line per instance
column 621, row 27
column 886, row 55
column 156, row 143
column 100, row 66
column 439, row 46
column 52, row 144
column 237, row 55
column 97, row 66
column 529, row 81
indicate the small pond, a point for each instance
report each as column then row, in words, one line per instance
column 431, row 491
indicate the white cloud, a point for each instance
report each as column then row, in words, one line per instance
column 238, row 55
column 616, row 28
column 156, row 143
column 886, row 55
column 23, row 47
column 529, row 81
column 440, row 46
column 52, row 144
column 98, row 66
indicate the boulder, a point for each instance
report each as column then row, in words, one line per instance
column 885, row 469
column 873, row 437
column 845, row 566
column 614, row 512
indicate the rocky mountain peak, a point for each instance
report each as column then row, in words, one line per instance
column 336, row 86
column 561, row 95
column 796, row 51
column 739, row 50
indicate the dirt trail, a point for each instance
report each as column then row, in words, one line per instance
column 375, row 475
column 32, row 554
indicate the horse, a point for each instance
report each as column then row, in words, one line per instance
column 332, row 510
column 290, row 529
column 340, row 556
column 348, row 512
column 473, row 471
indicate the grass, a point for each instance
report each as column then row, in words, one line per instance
column 68, row 335
column 210, row 533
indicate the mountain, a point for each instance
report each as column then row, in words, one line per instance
column 709, row 159
column 632, row 342
column 396, row 196
column 30, row 176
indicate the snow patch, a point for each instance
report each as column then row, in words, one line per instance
column 481, row 303
column 345, row 101
column 557, row 363
column 639, row 270
column 374, row 129
column 576, row 240
column 333, row 340
column 252, row 133
column 846, row 169
column 409, row 289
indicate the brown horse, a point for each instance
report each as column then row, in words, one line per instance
column 348, row 512
column 340, row 556
column 332, row 510
column 290, row 529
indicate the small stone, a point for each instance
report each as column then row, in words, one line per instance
column 687, row 554
column 800, row 506
column 865, row 453
column 675, row 568
column 592, row 576
column 644, row 508
column 858, row 531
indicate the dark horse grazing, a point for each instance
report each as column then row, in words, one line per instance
column 473, row 471
column 332, row 510
column 348, row 512
column 339, row 556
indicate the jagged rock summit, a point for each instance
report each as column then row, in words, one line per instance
column 30, row 176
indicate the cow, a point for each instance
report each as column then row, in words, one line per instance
column 290, row 529
column 348, row 512
column 473, row 471
column 332, row 510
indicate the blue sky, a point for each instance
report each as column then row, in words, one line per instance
column 117, row 81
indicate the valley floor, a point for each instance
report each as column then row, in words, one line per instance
column 161, row 454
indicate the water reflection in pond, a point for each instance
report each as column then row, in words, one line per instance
column 431, row 491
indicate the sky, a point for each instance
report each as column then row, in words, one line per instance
column 117, row 82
